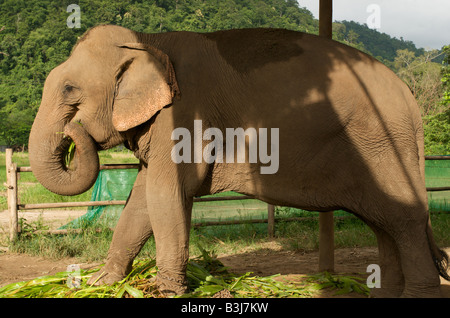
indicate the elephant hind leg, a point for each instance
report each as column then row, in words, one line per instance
column 392, row 281
column 421, row 275
column 405, row 242
column 440, row 257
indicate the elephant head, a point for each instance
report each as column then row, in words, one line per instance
column 110, row 84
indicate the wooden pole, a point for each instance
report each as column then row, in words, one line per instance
column 326, row 219
column 11, row 183
column 437, row 157
column 326, row 18
column 326, row 241
column 271, row 220
column 38, row 206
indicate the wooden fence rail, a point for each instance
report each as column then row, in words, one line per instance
column 14, row 205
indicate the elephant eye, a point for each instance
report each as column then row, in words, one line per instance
column 71, row 95
column 68, row 88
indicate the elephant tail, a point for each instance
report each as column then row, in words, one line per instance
column 440, row 257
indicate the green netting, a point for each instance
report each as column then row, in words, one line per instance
column 110, row 185
column 437, row 174
column 117, row 184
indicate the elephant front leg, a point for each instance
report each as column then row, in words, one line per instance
column 130, row 234
column 171, row 225
column 170, row 217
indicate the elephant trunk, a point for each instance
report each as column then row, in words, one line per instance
column 47, row 153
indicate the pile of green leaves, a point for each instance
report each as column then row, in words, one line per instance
column 55, row 286
column 343, row 284
column 207, row 277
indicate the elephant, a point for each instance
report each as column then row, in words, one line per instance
column 346, row 130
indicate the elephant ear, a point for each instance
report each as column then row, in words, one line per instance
column 145, row 83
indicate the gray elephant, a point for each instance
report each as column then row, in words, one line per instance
column 343, row 132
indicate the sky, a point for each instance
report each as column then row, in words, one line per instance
column 424, row 22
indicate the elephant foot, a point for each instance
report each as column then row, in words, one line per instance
column 386, row 292
column 422, row 292
column 108, row 275
column 170, row 286
column 104, row 278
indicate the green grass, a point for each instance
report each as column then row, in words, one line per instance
column 90, row 245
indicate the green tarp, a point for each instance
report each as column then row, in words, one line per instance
column 110, row 185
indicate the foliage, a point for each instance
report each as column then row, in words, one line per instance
column 423, row 77
column 429, row 82
column 344, row 284
column 446, row 76
column 437, row 133
column 437, row 126
column 29, row 228
column 380, row 45
column 206, row 275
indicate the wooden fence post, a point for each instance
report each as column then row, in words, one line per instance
column 11, row 183
column 326, row 241
column 326, row 18
column 326, row 219
column 271, row 220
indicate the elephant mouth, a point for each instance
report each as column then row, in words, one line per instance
column 66, row 151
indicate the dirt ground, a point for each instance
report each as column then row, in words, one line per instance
column 269, row 260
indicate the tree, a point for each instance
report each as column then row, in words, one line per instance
column 437, row 127
column 423, row 78
column 437, row 133
column 445, row 71
column 379, row 44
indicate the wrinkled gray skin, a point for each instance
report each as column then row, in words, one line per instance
column 350, row 137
